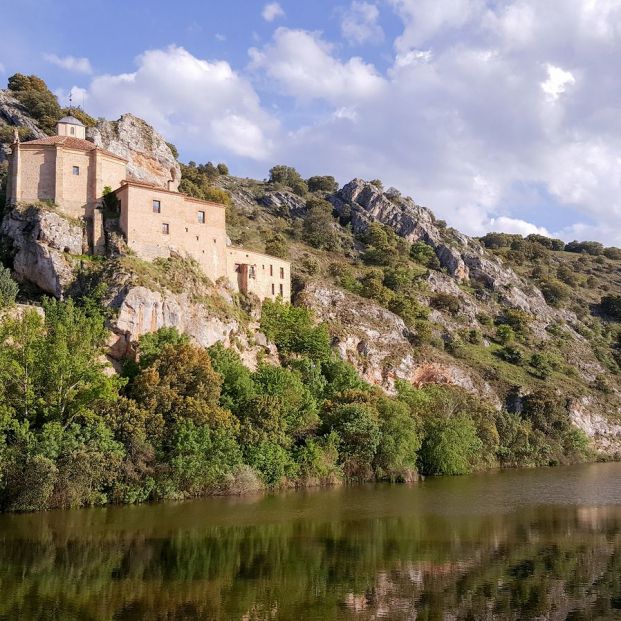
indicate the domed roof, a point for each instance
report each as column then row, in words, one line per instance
column 71, row 120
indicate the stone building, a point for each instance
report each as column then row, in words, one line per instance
column 73, row 174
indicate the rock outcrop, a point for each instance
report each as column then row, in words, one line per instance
column 43, row 240
column 12, row 114
column 379, row 344
column 149, row 157
column 362, row 202
column 140, row 310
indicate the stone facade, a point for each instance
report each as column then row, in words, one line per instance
column 72, row 173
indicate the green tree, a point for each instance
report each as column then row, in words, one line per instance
column 277, row 246
column 32, row 92
column 425, row 255
column 238, row 385
column 319, row 227
column 451, row 446
column 8, row 288
column 293, row 330
column 322, row 184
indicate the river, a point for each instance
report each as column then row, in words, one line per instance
column 519, row 544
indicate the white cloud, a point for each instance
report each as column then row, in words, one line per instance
column 272, row 11
column 194, row 102
column 360, row 23
column 504, row 224
column 70, row 63
column 557, row 82
column 302, row 65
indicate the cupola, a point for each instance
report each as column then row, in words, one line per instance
column 70, row 126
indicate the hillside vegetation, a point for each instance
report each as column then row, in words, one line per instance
column 410, row 348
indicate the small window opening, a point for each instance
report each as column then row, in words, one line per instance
column 273, row 291
column 76, row 170
column 281, row 290
column 282, row 272
column 157, row 206
column 165, row 228
column 72, row 130
column 201, row 217
column 271, row 270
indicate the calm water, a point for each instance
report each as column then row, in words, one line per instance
column 511, row 545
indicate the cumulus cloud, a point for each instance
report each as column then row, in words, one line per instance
column 360, row 23
column 196, row 102
column 303, row 65
column 70, row 63
column 272, row 11
column 504, row 224
column 557, row 82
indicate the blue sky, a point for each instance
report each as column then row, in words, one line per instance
column 498, row 115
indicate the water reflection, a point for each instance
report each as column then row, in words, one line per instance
column 524, row 545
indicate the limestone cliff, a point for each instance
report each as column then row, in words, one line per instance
column 149, row 157
column 42, row 242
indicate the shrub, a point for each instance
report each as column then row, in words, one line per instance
column 555, row 292
column 292, row 329
column 32, row 92
column 318, row 227
column 237, row 383
column 450, row 446
column 445, row 302
column 611, row 305
column 8, row 288
column 322, row 184
column 425, row 255
column 277, row 246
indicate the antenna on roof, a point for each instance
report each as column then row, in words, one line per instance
column 70, row 99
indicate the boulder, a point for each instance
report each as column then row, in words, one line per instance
column 149, row 157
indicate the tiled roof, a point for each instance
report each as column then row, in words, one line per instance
column 71, row 143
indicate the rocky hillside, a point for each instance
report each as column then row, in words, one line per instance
column 404, row 296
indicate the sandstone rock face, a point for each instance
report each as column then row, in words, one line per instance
column 42, row 240
column 149, row 157
column 141, row 311
column 377, row 342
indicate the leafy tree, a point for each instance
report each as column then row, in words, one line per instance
column 611, row 305
column 293, row 330
column 451, row 446
column 277, row 246
column 32, row 92
column 322, row 184
column 180, row 383
column 238, row 385
column 446, row 302
column 358, row 428
column 425, row 255
column 318, row 227
column 8, row 288
column 150, row 345
column 223, row 169
column 399, row 440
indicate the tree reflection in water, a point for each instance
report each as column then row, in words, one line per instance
column 204, row 561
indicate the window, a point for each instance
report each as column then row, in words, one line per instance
column 201, row 217
column 157, row 206
column 272, row 288
column 76, row 170
column 72, row 130
column 271, row 271
column 251, row 272
column 237, row 268
column 165, row 228
column 281, row 290
column 282, row 272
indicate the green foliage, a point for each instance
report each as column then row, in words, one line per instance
column 446, row 302
column 8, row 288
column 384, row 246
column 322, row 184
column 319, row 227
column 198, row 181
column 277, row 246
column 611, row 305
column 425, row 255
column 289, row 177
column 238, row 385
column 451, row 446
column 555, row 292
column 294, row 331
column 40, row 103
column 587, row 247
